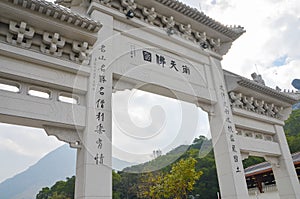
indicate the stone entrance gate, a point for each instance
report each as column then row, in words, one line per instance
column 83, row 54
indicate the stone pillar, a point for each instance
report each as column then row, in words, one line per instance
column 228, row 159
column 94, row 159
column 284, row 172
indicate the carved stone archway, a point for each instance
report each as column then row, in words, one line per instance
column 82, row 53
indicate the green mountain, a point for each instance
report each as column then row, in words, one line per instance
column 126, row 184
column 159, row 162
column 56, row 165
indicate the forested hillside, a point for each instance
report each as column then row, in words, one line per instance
column 292, row 131
column 139, row 185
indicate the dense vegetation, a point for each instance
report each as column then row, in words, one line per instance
column 60, row 190
column 160, row 184
column 292, row 131
column 186, row 176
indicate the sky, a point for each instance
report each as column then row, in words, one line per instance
column 269, row 47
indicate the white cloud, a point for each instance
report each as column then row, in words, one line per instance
column 138, row 130
column 21, row 147
column 273, row 28
column 16, row 138
column 11, row 145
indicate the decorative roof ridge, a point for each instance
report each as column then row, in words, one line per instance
column 232, row 32
column 265, row 89
column 268, row 90
column 294, row 94
column 60, row 13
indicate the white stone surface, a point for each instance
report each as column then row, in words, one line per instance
column 132, row 53
column 270, row 192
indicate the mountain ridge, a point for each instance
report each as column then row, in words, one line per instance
column 56, row 165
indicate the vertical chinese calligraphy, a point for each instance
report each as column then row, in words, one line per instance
column 100, row 104
column 230, row 129
column 99, row 158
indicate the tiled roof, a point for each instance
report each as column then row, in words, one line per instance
column 59, row 13
column 284, row 96
column 264, row 166
column 231, row 32
column 289, row 97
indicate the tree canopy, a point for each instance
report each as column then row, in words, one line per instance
column 60, row 190
column 174, row 184
column 292, row 130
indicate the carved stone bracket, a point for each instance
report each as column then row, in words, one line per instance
column 248, row 103
column 215, row 44
column 20, row 34
column 52, row 44
column 80, row 52
column 186, row 30
column 128, row 5
column 150, row 15
column 70, row 136
column 168, row 22
column 201, row 37
column 259, row 106
column 238, row 100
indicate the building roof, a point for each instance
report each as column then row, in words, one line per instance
column 60, row 13
column 266, row 166
column 291, row 98
column 232, row 32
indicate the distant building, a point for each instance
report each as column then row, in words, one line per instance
column 260, row 179
column 157, row 153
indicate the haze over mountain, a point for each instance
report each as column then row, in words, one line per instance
column 56, row 165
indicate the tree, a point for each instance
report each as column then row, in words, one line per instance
column 292, row 124
column 60, row 190
column 207, row 186
column 151, row 185
column 182, row 178
column 127, row 187
column 292, row 131
column 116, row 179
column 175, row 184
column 252, row 160
column 45, row 193
column 55, row 195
